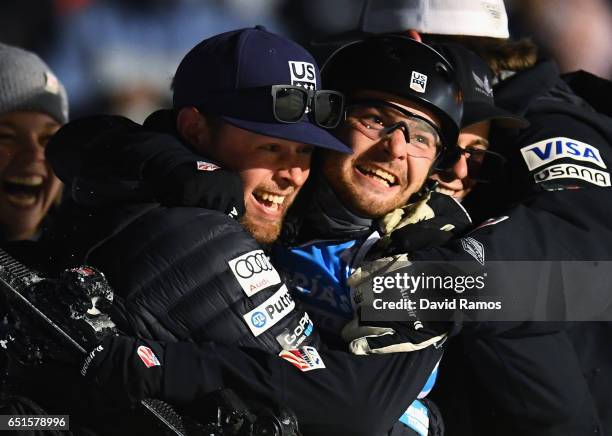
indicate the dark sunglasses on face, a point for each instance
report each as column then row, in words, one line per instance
column 483, row 165
column 378, row 118
column 290, row 104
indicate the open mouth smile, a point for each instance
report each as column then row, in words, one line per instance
column 383, row 177
column 270, row 202
column 446, row 191
column 23, row 191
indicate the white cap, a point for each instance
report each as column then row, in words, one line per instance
column 439, row 17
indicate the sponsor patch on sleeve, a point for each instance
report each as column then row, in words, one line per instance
column 297, row 335
column 304, row 358
column 271, row 311
column 147, row 356
column 549, row 150
column 254, row 272
column 552, row 175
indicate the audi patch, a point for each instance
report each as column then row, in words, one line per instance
column 254, row 272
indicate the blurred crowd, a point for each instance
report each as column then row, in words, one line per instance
column 118, row 56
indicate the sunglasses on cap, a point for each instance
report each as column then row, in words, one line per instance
column 288, row 104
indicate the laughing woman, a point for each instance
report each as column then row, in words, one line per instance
column 33, row 106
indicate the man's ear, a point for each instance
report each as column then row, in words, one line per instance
column 193, row 128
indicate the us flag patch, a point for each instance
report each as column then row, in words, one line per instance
column 304, row 358
column 147, row 356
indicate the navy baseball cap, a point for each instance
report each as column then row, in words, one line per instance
column 223, row 74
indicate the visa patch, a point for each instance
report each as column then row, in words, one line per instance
column 549, row 150
column 571, row 171
column 271, row 311
column 304, row 358
column 474, row 248
column 254, row 272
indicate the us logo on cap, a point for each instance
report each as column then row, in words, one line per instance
column 418, row 82
column 303, row 74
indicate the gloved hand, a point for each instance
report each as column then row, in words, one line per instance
column 126, row 370
column 199, row 184
column 419, row 236
column 432, row 223
column 394, row 336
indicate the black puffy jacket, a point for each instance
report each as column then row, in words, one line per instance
column 178, row 273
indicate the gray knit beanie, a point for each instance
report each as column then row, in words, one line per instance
column 27, row 84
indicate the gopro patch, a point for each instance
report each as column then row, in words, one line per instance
column 254, row 272
column 293, row 337
column 474, row 248
column 572, row 171
column 270, row 311
column 418, row 82
column 303, row 74
column 549, row 150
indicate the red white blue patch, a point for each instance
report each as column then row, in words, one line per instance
column 304, row 358
column 147, row 356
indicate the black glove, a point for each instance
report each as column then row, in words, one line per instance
column 126, row 370
column 199, row 184
column 450, row 220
